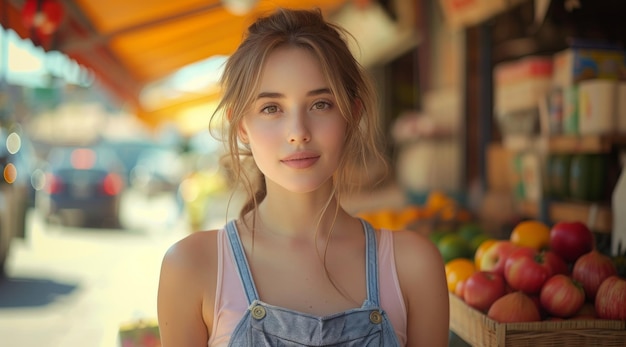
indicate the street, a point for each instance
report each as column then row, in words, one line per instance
column 73, row 287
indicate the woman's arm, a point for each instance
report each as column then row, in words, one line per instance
column 422, row 279
column 184, row 281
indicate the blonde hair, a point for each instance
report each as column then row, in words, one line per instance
column 348, row 81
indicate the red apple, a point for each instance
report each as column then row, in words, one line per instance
column 459, row 290
column 556, row 263
column 513, row 308
column 482, row 288
column 495, row 256
column 591, row 269
column 562, row 296
column 570, row 240
column 525, row 270
column 611, row 299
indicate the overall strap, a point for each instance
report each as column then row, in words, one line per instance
column 371, row 263
column 242, row 263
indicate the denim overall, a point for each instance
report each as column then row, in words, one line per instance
column 271, row 326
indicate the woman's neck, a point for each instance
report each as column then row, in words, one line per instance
column 298, row 214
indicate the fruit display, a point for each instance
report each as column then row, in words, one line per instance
column 562, row 296
column 458, row 271
column 610, row 300
column 531, row 233
column 438, row 210
column 482, row 289
column 538, row 273
column 591, row 269
column 541, row 273
column 495, row 256
column 570, row 240
column 526, row 270
column 514, row 307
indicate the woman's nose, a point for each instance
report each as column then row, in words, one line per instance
column 299, row 129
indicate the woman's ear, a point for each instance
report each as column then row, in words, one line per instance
column 242, row 134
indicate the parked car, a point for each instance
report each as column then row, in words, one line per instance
column 83, row 186
column 158, row 170
column 152, row 200
column 129, row 152
column 14, row 191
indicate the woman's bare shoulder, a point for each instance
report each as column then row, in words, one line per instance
column 421, row 272
column 418, row 260
column 186, row 286
column 414, row 248
column 186, row 254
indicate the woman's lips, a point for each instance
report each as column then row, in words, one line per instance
column 301, row 160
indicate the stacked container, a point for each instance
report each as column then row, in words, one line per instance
column 588, row 76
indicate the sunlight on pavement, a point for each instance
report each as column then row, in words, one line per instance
column 76, row 287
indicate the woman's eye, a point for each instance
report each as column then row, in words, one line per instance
column 320, row 105
column 270, row 109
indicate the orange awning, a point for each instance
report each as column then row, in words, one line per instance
column 130, row 44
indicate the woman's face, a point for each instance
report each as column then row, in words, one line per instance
column 294, row 128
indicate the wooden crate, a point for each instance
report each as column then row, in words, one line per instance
column 480, row 331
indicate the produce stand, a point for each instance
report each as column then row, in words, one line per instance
column 479, row 330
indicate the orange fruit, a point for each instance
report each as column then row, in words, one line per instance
column 387, row 219
column 458, row 270
column 370, row 217
column 480, row 251
column 531, row 233
column 437, row 200
column 408, row 215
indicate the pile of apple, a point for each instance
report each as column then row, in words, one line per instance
column 567, row 278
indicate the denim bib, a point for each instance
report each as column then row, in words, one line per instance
column 270, row 326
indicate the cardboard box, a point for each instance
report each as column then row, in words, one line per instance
column 519, row 85
column 578, row 64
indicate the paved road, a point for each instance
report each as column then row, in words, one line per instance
column 70, row 287
column 74, row 287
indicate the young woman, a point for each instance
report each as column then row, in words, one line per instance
column 295, row 269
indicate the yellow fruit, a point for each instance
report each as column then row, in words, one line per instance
column 458, row 270
column 480, row 251
column 531, row 233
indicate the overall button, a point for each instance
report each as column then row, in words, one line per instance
column 376, row 317
column 258, row 312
